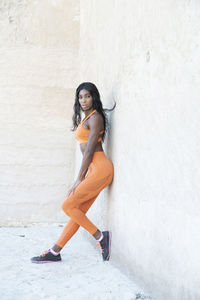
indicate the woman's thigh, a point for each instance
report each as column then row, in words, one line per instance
column 86, row 205
column 99, row 175
column 89, row 188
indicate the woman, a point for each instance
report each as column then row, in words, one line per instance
column 95, row 174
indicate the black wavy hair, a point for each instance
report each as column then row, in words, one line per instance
column 97, row 104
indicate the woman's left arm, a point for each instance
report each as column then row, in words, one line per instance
column 95, row 125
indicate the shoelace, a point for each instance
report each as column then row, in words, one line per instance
column 44, row 253
column 98, row 243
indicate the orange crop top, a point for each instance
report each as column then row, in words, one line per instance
column 82, row 133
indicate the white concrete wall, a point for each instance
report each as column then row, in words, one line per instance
column 39, row 44
column 145, row 55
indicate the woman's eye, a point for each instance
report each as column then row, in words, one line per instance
column 80, row 97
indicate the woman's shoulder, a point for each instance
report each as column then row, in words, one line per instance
column 96, row 116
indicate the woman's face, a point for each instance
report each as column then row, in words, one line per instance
column 85, row 100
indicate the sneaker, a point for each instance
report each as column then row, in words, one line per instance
column 46, row 257
column 105, row 245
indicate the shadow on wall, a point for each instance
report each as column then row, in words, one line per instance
column 109, row 150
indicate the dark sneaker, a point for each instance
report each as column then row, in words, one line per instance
column 46, row 257
column 105, row 245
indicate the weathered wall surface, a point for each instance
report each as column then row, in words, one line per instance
column 145, row 55
column 39, row 44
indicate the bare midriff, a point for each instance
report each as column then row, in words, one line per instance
column 97, row 148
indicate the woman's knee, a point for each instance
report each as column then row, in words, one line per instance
column 66, row 209
column 67, row 206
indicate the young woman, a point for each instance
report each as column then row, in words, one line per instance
column 95, row 174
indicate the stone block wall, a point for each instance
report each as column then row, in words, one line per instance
column 39, row 61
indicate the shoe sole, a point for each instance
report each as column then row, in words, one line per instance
column 45, row 261
column 109, row 246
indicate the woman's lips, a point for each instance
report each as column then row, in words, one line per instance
column 84, row 106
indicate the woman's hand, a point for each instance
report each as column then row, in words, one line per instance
column 77, row 182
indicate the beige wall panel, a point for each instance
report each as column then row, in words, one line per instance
column 39, row 47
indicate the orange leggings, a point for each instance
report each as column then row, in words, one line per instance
column 99, row 175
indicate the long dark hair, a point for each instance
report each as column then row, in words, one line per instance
column 97, row 104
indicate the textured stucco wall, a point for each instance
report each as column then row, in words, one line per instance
column 39, row 44
column 145, row 55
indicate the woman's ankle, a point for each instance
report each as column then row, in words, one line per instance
column 56, row 248
column 98, row 235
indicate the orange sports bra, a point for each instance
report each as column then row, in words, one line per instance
column 82, row 133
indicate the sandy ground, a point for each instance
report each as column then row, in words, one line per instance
column 82, row 275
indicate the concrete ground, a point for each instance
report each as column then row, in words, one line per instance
column 82, row 275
